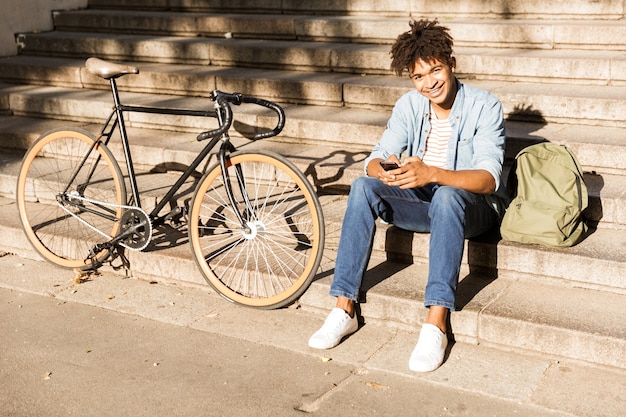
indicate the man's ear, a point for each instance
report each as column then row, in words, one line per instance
column 452, row 64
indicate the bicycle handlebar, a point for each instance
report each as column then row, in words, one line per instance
column 222, row 101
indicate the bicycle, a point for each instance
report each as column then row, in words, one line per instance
column 255, row 224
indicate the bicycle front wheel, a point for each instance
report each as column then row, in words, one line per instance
column 270, row 260
column 69, row 197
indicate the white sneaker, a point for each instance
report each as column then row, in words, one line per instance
column 338, row 325
column 429, row 350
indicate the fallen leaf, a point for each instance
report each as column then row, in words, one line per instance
column 376, row 385
column 325, row 359
column 47, row 376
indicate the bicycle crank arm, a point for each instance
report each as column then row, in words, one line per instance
column 132, row 230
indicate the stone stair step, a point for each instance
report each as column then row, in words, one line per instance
column 510, row 314
column 589, row 105
column 240, row 25
column 496, row 33
column 602, row 250
column 538, row 34
column 534, row 9
column 512, row 65
column 598, row 149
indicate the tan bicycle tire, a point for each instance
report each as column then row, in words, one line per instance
column 280, row 256
column 56, row 236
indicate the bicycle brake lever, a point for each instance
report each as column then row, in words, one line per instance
column 221, row 103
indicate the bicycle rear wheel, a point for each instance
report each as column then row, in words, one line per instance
column 65, row 207
column 272, row 260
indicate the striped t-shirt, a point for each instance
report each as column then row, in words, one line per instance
column 436, row 153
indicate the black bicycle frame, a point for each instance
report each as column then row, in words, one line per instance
column 116, row 120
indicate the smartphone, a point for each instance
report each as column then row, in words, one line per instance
column 387, row 165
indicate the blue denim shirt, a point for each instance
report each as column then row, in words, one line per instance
column 477, row 140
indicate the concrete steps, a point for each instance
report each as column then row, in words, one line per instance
column 600, row 148
column 583, row 104
column 559, row 70
column 600, row 255
column 496, row 33
column 317, row 126
column 513, row 65
column 601, row 9
column 328, row 167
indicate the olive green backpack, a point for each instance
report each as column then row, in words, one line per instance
column 549, row 196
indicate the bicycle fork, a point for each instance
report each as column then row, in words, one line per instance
column 224, row 160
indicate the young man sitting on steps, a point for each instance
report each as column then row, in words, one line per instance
column 452, row 138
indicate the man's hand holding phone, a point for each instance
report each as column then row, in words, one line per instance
column 410, row 173
column 388, row 166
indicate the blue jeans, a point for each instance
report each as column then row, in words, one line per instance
column 449, row 214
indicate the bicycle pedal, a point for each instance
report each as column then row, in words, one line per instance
column 176, row 215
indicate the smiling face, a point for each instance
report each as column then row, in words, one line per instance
column 435, row 81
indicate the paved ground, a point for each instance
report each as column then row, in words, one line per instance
column 125, row 347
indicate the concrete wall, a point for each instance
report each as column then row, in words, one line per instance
column 27, row 16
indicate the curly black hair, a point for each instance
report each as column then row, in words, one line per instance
column 427, row 40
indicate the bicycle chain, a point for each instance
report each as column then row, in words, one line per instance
column 76, row 196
